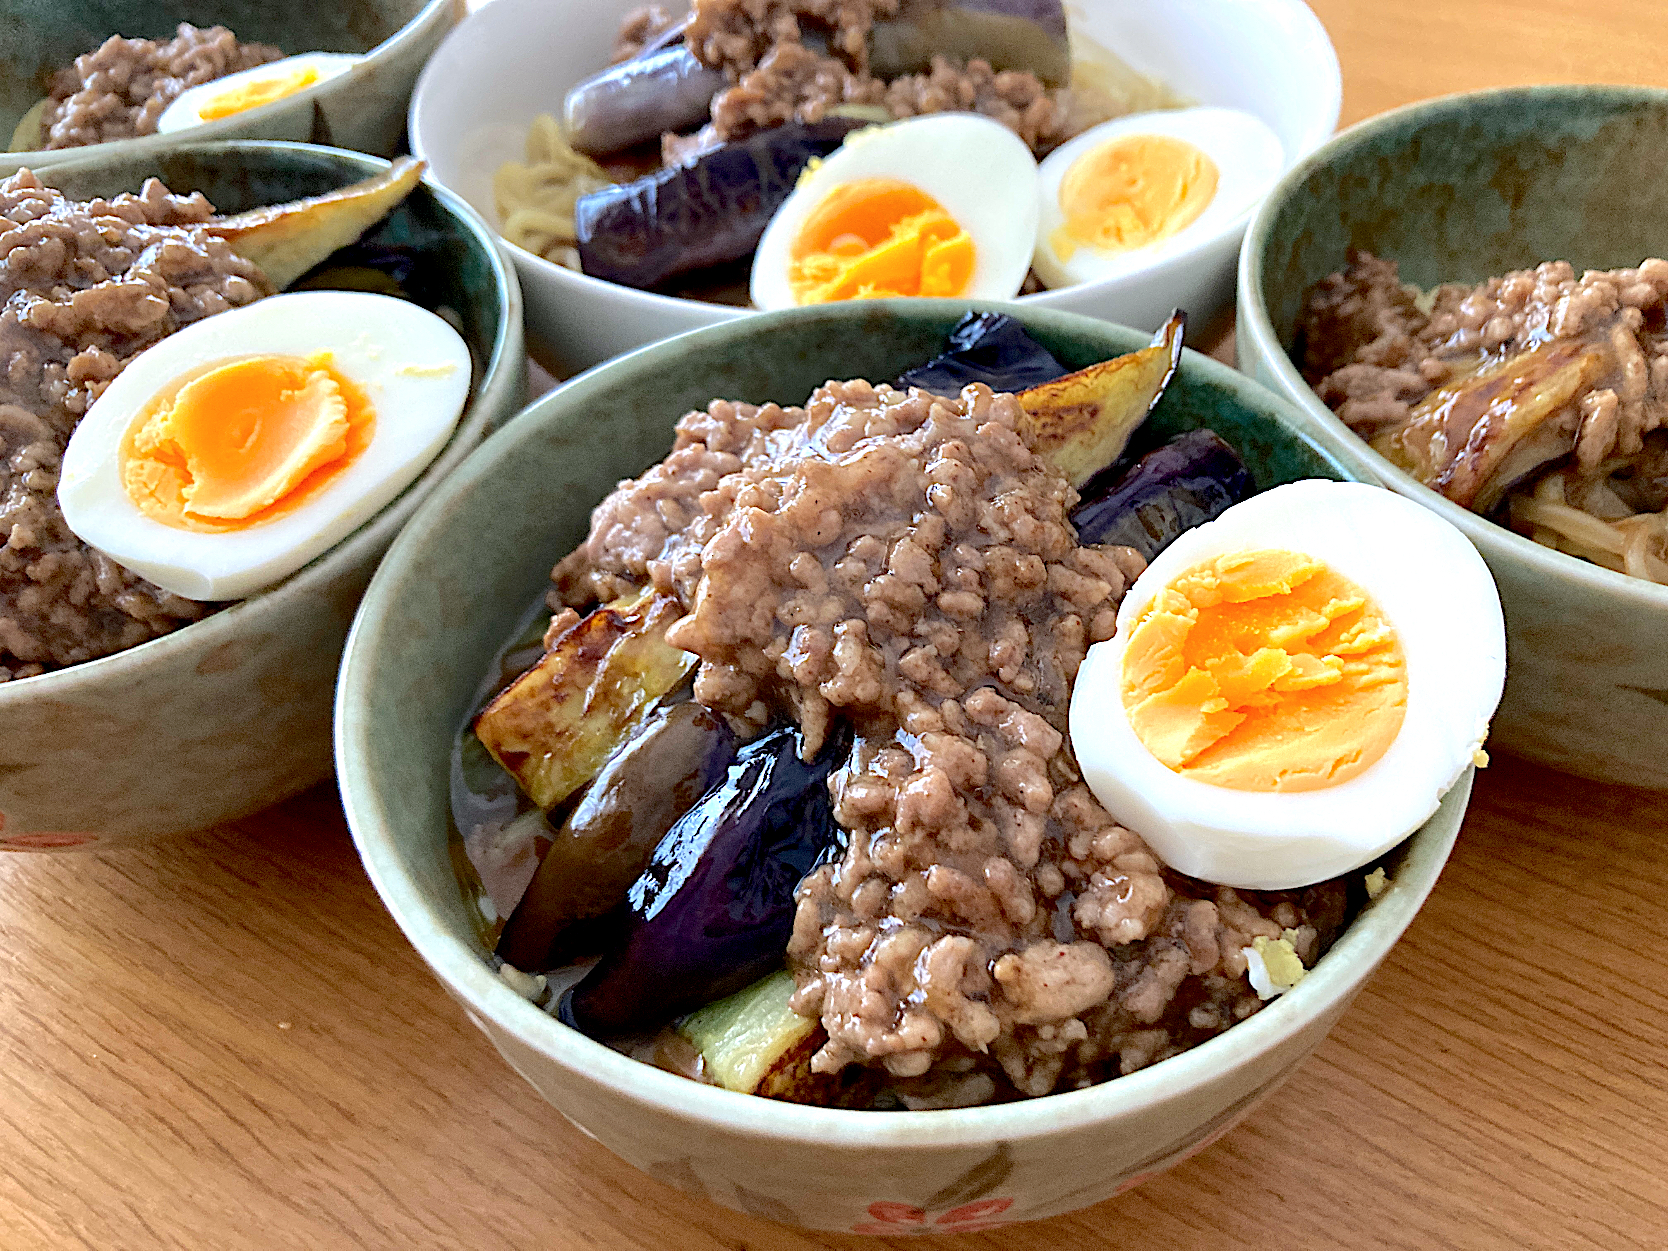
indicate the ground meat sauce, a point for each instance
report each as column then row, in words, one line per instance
column 85, row 287
column 905, row 563
column 760, row 45
column 120, row 89
column 1373, row 352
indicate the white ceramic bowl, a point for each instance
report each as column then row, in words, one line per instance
column 452, row 589
column 514, row 59
column 363, row 109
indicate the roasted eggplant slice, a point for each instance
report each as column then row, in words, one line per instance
column 1010, row 34
column 752, row 1042
column 1473, row 439
column 991, row 348
column 286, row 240
column 665, row 89
column 1188, row 481
column 556, row 725
column 1082, row 421
column 711, row 210
column 674, row 758
column 714, row 909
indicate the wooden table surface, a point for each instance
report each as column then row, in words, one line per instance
column 223, row 1042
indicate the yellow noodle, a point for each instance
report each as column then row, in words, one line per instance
column 1636, row 545
column 536, row 199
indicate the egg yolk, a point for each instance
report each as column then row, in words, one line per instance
column 1129, row 192
column 259, row 91
column 242, row 442
column 878, row 237
column 1264, row 671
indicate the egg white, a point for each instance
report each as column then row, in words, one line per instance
column 186, row 110
column 1439, row 597
column 1248, row 159
column 413, row 367
column 977, row 169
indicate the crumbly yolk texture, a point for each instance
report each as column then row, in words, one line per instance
column 878, row 237
column 243, row 442
column 1265, row 671
column 259, row 91
column 1126, row 193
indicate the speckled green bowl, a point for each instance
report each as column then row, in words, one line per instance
column 452, row 589
column 1456, row 190
column 363, row 109
column 232, row 713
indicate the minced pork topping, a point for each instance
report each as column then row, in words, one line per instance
column 120, row 89
column 905, row 563
column 84, row 288
column 793, row 60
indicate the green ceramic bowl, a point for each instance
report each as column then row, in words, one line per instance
column 452, row 589
column 232, row 713
column 362, row 109
column 1456, row 190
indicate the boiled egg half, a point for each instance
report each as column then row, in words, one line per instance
column 225, row 457
column 1294, row 686
column 251, row 88
column 1138, row 190
column 944, row 205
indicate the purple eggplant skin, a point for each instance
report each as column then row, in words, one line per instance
column 991, row 348
column 1010, row 34
column 637, row 100
column 1188, row 481
column 677, row 755
column 712, row 210
column 714, row 910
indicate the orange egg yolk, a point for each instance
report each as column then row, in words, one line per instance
column 259, row 91
column 1129, row 192
column 1264, row 671
column 878, row 237
column 242, row 442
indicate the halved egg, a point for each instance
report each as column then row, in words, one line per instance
column 934, row 206
column 1135, row 190
column 251, row 88
column 1294, row 686
column 225, row 457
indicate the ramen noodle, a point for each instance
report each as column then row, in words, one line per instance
column 535, row 200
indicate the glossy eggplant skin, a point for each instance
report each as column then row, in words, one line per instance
column 637, row 100
column 712, row 210
column 1188, row 481
column 1010, row 34
column 605, row 842
column 714, row 909
column 991, row 348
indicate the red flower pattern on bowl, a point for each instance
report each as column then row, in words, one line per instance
column 891, row 1218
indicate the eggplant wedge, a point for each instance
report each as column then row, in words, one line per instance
column 1083, row 421
column 1473, row 439
column 676, row 755
column 713, row 911
column 556, row 725
column 991, row 348
column 752, row 1042
column 286, row 240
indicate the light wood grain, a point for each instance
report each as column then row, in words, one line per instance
column 223, row 1042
